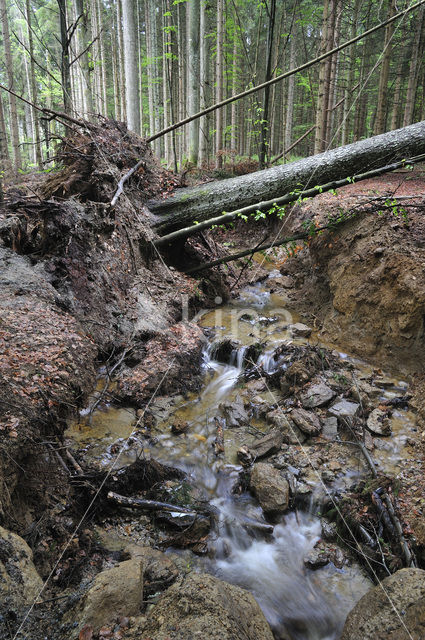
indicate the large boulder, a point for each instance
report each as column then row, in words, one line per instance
column 115, row 592
column 393, row 610
column 317, row 395
column 270, row 488
column 200, row 606
column 19, row 580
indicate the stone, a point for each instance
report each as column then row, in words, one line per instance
column 316, row 558
column 300, row 330
column 159, row 568
column 297, row 373
column 365, row 393
column 113, row 593
column 344, row 409
column 378, row 423
column 306, row 421
column 234, row 413
column 270, row 488
column 291, row 433
column 316, row 396
column 387, row 610
column 271, row 443
column 201, row 606
column 19, row 580
column 329, row 530
column 330, row 428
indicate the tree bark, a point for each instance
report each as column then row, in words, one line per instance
column 381, row 110
column 417, row 52
column 193, row 78
column 14, row 128
column 65, row 68
column 131, row 66
column 219, row 85
column 209, row 200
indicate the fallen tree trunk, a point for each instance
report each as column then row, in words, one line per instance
column 200, row 203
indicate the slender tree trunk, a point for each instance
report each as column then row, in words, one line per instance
column 65, row 68
column 33, row 87
column 381, row 109
column 396, row 111
column 233, row 110
column 193, row 78
column 322, row 96
column 153, row 63
column 115, row 68
column 6, row 165
column 417, row 52
column 121, row 60
column 83, row 62
column 265, row 124
column 203, row 74
column 333, row 73
column 14, row 128
column 290, row 94
column 219, row 84
column 131, row 66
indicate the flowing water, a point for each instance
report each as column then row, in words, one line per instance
column 299, row 603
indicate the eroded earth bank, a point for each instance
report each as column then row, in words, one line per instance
column 236, row 454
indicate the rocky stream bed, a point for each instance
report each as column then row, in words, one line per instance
column 179, row 461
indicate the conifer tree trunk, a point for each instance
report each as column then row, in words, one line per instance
column 417, row 52
column 265, row 124
column 381, row 109
column 65, row 68
column 193, row 77
column 82, row 10
column 121, row 75
column 219, row 84
column 14, row 127
column 203, row 74
column 4, row 149
column 131, row 66
column 154, row 75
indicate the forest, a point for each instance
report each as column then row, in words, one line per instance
column 212, row 319
column 154, row 63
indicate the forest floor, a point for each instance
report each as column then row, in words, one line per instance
column 81, row 288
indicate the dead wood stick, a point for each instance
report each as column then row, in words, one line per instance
column 409, row 558
column 146, row 505
column 74, row 463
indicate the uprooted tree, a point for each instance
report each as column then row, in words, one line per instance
column 190, row 206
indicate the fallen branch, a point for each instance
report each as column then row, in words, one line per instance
column 226, row 218
column 146, row 505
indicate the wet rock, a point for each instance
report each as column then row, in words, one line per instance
column 270, row 488
column 330, row 428
column 364, row 393
column 179, row 426
column 19, row 580
column 344, row 409
column 245, row 456
column 202, row 606
column 301, row 330
column 329, row 530
column 378, row 423
column 271, row 443
column 114, row 592
column 327, row 476
column 317, row 557
column 306, row 421
column 387, row 610
column 234, row 413
column 223, row 350
column 291, row 433
column 159, row 569
column 316, row 396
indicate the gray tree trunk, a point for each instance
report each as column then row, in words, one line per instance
column 14, row 129
column 131, row 66
column 209, row 200
column 193, row 77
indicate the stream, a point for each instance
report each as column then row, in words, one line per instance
column 300, row 603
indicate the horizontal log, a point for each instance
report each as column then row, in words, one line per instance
column 196, row 204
